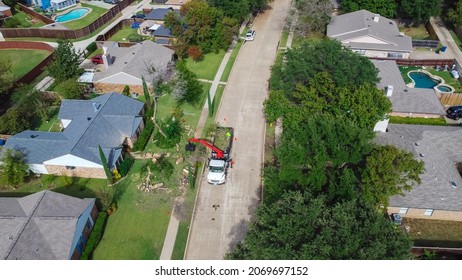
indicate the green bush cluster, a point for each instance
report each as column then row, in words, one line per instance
column 126, row 165
column 144, row 137
column 91, row 48
column 172, row 129
column 162, row 169
column 95, row 236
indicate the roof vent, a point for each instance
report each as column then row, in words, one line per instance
column 88, row 118
column 422, row 154
column 96, row 106
column 33, row 136
column 376, row 18
column 417, row 144
column 453, row 184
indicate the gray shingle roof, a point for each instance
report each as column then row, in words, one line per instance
column 404, row 99
column 361, row 23
column 136, row 62
column 114, row 119
column 442, row 149
column 40, row 226
column 159, row 14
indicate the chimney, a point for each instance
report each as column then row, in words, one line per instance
column 376, row 17
column 389, row 90
column 107, row 60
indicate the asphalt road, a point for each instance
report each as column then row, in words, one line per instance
column 214, row 232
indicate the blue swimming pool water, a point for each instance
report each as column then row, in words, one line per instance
column 444, row 88
column 74, row 14
column 422, row 80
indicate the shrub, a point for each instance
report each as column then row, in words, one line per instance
column 12, row 22
column 95, row 236
column 143, row 139
column 195, row 53
column 135, row 38
column 126, row 90
column 126, row 165
column 91, row 48
column 148, row 114
column 163, row 169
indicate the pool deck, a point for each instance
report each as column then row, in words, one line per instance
column 404, row 99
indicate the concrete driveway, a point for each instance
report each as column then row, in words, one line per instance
column 217, row 230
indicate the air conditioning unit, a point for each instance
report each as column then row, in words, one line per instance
column 396, row 218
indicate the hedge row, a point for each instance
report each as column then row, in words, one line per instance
column 95, row 236
column 126, row 165
column 143, row 139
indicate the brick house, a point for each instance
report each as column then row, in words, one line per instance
column 146, row 59
column 111, row 121
column 45, row 226
column 439, row 195
column 370, row 35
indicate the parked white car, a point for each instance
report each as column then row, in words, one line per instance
column 250, row 35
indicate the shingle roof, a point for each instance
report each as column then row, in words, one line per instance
column 162, row 32
column 105, row 120
column 39, row 226
column 159, row 14
column 361, row 23
column 404, row 99
column 136, row 61
column 442, row 149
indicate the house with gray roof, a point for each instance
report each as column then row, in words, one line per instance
column 45, row 226
column 406, row 101
column 111, row 121
column 145, row 59
column 370, row 35
column 159, row 14
column 439, row 196
column 5, row 11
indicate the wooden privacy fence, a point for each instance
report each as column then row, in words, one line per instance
column 425, row 62
column 425, row 43
column 67, row 34
column 115, row 29
column 449, row 99
column 34, row 14
column 37, row 70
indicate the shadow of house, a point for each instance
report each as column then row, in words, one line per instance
column 110, row 121
column 45, row 226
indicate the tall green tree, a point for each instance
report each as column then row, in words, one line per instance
column 187, row 88
column 421, row 10
column 66, row 62
column 301, row 227
column 455, row 14
column 203, row 26
column 71, row 89
column 14, row 168
column 389, row 171
column 237, row 9
column 104, row 162
column 310, row 58
column 386, row 8
column 6, row 75
column 146, row 94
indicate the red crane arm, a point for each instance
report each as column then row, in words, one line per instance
column 219, row 152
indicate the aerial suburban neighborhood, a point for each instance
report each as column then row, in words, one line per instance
column 230, row 130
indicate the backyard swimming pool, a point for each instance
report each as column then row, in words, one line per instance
column 74, row 14
column 444, row 89
column 422, row 80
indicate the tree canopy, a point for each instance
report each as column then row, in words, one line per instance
column 389, row 171
column 6, row 75
column 421, row 10
column 310, row 58
column 301, row 227
column 386, row 8
column 455, row 14
column 14, row 168
column 201, row 25
column 66, row 62
column 313, row 16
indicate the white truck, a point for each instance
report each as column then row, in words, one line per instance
column 220, row 159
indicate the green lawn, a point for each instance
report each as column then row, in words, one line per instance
column 25, row 20
column 52, row 125
column 20, row 65
column 122, row 34
column 207, row 67
column 425, row 232
column 421, row 121
column 136, row 231
column 456, row 39
column 232, row 59
column 284, row 37
column 416, row 32
column 96, row 12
